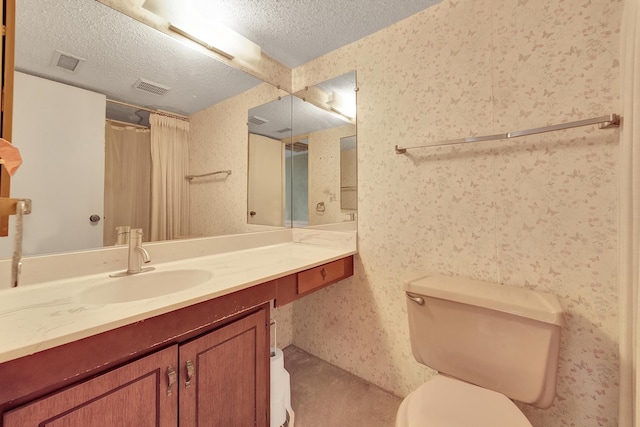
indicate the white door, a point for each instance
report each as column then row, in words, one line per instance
column 59, row 130
column 265, row 195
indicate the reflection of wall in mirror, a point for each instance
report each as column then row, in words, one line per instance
column 324, row 175
column 298, row 175
column 219, row 140
column 348, row 180
column 58, row 128
column 265, row 186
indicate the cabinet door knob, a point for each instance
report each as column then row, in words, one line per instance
column 190, row 371
column 323, row 273
column 171, row 379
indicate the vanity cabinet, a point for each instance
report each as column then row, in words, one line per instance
column 217, row 379
column 137, row 394
column 206, row 364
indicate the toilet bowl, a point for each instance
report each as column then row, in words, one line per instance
column 446, row 402
column 490, row 343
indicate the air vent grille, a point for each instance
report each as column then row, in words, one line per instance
column 297, row 147
column 285, row 130
column 255, row 120
column 66, row 62
column 151, row 87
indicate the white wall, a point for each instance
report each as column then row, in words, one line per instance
column 59, row 130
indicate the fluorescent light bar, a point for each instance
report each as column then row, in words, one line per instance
column 199, row 40
column 186, row 20
column 342, row 105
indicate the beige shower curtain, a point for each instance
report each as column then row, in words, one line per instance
column 629, row 234
column 127, row 183
column 169, row 188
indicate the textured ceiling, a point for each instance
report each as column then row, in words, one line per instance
column 297, row 31
column 119, row 50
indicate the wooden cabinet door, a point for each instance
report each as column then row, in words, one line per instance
column 135, row 395
column 224, row 376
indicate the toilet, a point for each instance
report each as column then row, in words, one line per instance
column 490, row 343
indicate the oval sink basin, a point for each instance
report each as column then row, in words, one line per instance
column 142, row 286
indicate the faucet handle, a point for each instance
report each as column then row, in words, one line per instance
column 122, row 234
column 136, row 233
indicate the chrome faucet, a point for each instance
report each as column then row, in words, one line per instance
column 137, row 255
column 23, row 207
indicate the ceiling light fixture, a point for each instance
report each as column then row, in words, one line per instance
column 185, row 20
column 341, row 105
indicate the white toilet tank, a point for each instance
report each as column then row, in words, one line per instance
column 498, row 337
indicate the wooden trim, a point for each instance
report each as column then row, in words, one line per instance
column 287, row 290
column 8, row 206
column 8, row 63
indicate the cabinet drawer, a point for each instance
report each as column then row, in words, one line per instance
column 309, row 280
column 295, row 286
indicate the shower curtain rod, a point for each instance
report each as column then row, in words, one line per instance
column 121, row 123
column 604, row 122
column 165, row 113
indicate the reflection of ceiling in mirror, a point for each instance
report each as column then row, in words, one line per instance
column 344, row 86
column 118, row 51
column 288, row 113
column 348, row 143
column 275, row 119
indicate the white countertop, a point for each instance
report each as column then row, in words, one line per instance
column 38, row 317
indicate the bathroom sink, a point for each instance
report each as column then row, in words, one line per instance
column 142, row 286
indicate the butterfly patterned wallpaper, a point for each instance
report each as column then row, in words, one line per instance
column 219, row 140
column 537, row 212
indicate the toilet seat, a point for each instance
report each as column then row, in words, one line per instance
column 447, row 402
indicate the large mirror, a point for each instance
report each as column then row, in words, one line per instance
column 316, row 166
column 269, row 173
column 82, row 57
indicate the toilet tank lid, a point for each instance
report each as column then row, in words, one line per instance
column 536, row 305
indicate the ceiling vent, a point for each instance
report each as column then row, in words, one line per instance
column 297, row 147
column 255, row 120
column 67, row 62
column 151, row 87
column 285, row 130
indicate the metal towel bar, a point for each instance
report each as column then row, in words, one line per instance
column 605, row 122
column 190, row 177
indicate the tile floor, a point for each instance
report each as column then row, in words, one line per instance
column 323, row 395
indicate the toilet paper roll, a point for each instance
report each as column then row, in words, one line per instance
column 278, row 413
column 278, row 388
column 277, row 375
column 277, row 360
column 287, row 390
